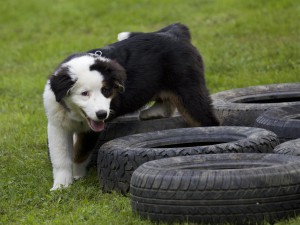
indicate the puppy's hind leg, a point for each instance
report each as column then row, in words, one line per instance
column 160, row 109
column 195, row 107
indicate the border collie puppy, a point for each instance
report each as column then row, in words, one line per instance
column 89, row 88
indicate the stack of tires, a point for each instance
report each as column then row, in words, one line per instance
column 238, row 173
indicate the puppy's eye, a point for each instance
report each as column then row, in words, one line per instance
column 85, row 93
column 107, row 92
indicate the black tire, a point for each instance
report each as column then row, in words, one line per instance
column 241, row 107
column 289, row 148
column 220, row 188
column 285, row 122
column 130, row 124
column 118, row 158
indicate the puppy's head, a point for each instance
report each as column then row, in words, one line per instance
column 85, row 85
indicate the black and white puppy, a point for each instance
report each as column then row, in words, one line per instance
column 88, row 88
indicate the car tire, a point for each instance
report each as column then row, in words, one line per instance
column 289, row 148
column 285, row 122
column 241, row 107
column 131, row 124
column 118, row 158
column 220, row 188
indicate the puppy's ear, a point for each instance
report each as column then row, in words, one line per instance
column 112, row 71
column 61, row 83
column 120, row 87
column 119, row 76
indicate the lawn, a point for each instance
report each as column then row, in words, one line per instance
column 243, row 43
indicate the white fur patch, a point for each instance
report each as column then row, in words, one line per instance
column 123, row 35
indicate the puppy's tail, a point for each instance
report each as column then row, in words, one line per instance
column 177, row 30
column 125, row 35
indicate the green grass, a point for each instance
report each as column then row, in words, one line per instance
column 243, row 43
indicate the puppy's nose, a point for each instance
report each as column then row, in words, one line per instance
column 101, row 114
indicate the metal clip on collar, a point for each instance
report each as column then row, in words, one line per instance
column 96, row 54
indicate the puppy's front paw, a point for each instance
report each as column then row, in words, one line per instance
column 123, row 35
column 79, row 170
column 62, row 180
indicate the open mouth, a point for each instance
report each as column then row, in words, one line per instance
column 95, row 125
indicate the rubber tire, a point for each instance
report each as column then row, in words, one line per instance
column 289, row 148
column 220, row 188
column 285, row 122
column 130, row 124
column 234, row 107
column 118, row 158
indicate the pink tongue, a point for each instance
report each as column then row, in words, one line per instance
column 96, row 126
